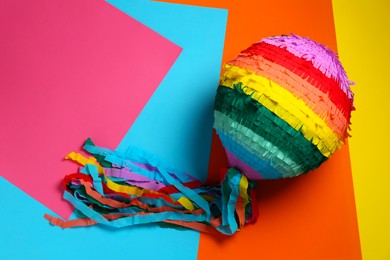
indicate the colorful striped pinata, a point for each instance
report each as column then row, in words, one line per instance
column 283, row 107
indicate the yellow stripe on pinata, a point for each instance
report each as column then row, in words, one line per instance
column 286, row 106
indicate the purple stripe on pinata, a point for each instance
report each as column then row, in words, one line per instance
column 321, row 56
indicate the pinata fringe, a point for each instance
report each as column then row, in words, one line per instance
column 122, row 189
column 231, row 116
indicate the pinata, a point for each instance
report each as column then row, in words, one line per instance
column 282, row 108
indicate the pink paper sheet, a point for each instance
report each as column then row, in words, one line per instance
column 70, row 70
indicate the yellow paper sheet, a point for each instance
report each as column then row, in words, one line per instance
column 362, row 29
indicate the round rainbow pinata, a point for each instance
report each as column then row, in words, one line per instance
column 283, row 107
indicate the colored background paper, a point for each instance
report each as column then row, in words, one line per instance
column 25, row 234
column 364, row 49
column 70, row 70
column 176, row 124
column 184, row 25
column 309, row 217
column 303, row 215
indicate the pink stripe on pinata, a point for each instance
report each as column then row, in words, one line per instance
column 242, row 167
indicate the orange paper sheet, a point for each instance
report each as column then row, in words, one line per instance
column 309, row 217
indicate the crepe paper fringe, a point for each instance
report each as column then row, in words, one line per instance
column 286, row 106
column 314, row 98
column 319, row 55
column 261, row 166
column 137, row 188
column 256, row 145
column 305, row 70
column 294, row 148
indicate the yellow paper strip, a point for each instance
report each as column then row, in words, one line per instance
column 81, row 159
column 186, row 203
column 243, row 189
column 77, row 157
column 131, row 190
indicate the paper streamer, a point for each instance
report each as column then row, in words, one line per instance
column 125, row 194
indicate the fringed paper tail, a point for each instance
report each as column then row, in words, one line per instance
column 121, row 189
